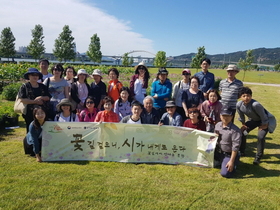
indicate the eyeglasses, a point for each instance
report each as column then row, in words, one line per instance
column 90, row 102
column 193, row 112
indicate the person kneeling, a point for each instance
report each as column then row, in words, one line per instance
column 228, row 143
column 33, row 140
column 136, row 109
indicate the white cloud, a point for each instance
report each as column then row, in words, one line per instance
column 84, row 20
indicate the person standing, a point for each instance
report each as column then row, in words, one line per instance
column 139, row 82
column 114, row 85
column 192, row 97
column 161, row 90
column 257, row 117
column 80, row 90
column 44, row 66
column 178, row 90
column 228, row 143
column 58, row 88
column 230, row 88
column 33, row 93
column 206, row 78
column 98, row 88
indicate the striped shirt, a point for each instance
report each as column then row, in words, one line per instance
column 230, row 92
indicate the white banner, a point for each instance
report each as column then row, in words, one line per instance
column 131, row 143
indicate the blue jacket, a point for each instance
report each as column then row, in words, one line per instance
column 163, row 91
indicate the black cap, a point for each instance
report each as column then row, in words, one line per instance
column 162, row 70
column 226, row 110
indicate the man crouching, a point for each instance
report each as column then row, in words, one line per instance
column 228, row 143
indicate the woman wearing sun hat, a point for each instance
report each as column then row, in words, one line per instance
column 139, row 82
column 65, row 112
column 80, row 90
column 98, row 88
column 32, row 93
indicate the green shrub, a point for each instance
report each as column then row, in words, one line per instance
column 10, row 91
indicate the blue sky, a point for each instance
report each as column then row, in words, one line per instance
column 176, row 27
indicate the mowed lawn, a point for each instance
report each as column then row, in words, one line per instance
column 26, row 184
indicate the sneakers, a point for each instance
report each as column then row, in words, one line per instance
column 257, row 161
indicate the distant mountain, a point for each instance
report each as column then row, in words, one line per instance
column 270, row 56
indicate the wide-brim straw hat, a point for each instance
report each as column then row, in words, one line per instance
column 67, row 102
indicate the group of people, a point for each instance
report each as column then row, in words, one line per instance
column 66, row 96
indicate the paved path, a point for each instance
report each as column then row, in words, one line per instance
column 254, row 83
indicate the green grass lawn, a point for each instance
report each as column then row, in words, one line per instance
column 26, row 184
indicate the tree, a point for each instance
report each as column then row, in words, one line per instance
column 94, row 52
column 131, row 60
column 36, row 47
column 125, row 60
column 64, row 46
column 160, row 59
column 246, row 64
column 7, row 43
column 277, row 67
column 196, row 60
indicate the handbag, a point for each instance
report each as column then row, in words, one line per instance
column 20, row 107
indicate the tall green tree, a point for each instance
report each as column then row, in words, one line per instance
column 246, row 64
column 36, row 47
column 160, row 59
column 131, row 61
column 125, row 60
column 7, row 43
column 196, row 60
column 94, row 52
column 64, row 46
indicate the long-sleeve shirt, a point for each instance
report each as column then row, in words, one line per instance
column 150, row 118
column 33, row 137
column 206, row 80
column 86, row 116
column 163, row 91
column 229, row 137
column 206, row 109
column 114, row 88
column 178, row 90
column 175, row 120
column 200, row 125
column 253, row 110
column 105, row 116
column 122, row 109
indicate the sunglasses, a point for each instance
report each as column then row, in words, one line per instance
column 90, row 102
column 141, row 68
column 193, row 112
column 35, row 75
column 58, row 69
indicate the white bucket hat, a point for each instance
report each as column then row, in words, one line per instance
column 82, row 71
